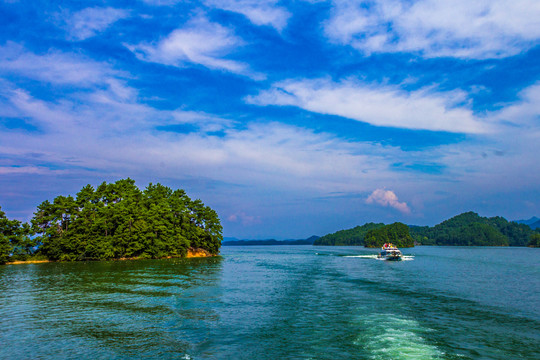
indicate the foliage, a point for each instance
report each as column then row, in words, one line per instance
column 15, row 241
column 535, row 240
column 349, row 237
column 470, row 229
column 118, row 220
column 396, row 233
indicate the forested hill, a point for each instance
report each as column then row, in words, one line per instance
column 349, row 237
column 113, row 221
column 470, row 229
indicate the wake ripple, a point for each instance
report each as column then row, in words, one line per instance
column 388, row 336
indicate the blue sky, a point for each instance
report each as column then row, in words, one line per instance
column 288, row 118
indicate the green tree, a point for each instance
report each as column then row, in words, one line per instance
column 534, row 240
column 396, row 233
column 15, row 240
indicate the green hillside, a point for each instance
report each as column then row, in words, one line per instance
column 470, row 229
column 349, row 237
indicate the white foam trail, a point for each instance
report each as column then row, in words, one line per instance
column 404, row 257
column 387, row 336
column 362, row 256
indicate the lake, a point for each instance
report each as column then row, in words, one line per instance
column 278, row 302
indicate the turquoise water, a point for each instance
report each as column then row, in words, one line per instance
column 278, row 302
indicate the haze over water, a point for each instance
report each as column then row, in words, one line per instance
column 278, row 302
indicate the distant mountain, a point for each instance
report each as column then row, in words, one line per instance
column 236, row 242
column 535, row 225
column 532, row 221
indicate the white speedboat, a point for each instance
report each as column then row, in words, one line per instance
column 390, row 252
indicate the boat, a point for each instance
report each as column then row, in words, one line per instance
column 390, row 252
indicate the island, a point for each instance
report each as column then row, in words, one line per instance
column 370, row 235
column 113, row 221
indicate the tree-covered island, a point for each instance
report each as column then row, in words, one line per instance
column 113, row 221
column 370, row 235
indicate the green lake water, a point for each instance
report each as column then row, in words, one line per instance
column 278, row 302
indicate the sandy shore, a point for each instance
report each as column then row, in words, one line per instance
column 28, row 262
column 191, row 253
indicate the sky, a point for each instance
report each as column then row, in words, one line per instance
column 289, row 118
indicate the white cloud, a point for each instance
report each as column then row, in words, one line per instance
column 244, row 218
column 199, row 42
column 58, row 68
column 479, row 29
column 258, row 12
column 30, row 170
column 380, row 105
column 387, row 198
column 88, row 22
column 525, row 111
column 162, row 2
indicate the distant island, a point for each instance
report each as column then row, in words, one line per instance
column 372, row 235
column 114, row 221
column 467, row 229
column 236, row 242
column 349, row 237
column 396, row 233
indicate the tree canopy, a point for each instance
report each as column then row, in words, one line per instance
column 116, row 220
column 349, row 237
column 535, row 240
column 15, row 242
column 396, row 233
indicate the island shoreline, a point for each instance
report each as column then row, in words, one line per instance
column 191, row 253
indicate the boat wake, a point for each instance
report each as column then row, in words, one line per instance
column 362, row 256
column 388, row 336
column 376, row 257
